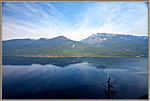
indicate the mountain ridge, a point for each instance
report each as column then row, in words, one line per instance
column 74, row 40
column 100, row 45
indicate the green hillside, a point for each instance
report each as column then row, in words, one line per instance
column 64, row 47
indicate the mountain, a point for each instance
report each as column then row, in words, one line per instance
column 59, row 46
column 97, row 45
column 117, row 44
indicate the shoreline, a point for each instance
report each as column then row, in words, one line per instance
column 79, row 56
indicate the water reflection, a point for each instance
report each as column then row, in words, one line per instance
column 80, row 80
column 62, row 62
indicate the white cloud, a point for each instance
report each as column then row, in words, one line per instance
column 33, row 20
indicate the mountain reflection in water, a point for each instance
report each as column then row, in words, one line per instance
column 54, row 78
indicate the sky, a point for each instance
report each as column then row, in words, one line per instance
column 74, row 20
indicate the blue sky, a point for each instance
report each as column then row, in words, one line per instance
column 74, row 20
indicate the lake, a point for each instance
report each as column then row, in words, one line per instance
column 80, row 78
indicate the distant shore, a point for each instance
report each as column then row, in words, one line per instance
column 80, row 56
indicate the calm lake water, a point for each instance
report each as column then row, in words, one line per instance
column 82, row 78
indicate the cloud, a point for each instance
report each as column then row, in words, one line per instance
column 48, row 20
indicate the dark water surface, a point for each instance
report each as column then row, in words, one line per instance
column 83, row 78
